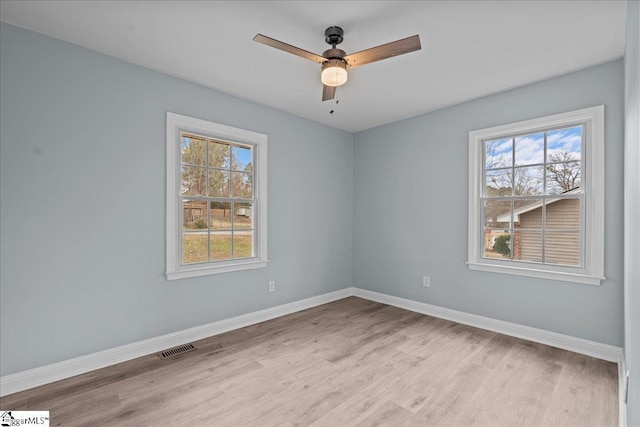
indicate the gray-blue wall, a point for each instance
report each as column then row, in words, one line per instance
column 632, row 210
column 411, row 208
column 83, row 204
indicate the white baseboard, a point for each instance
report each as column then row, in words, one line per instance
column 578, row 345
column 57, row 371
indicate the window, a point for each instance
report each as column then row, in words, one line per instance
column 536, row 197
column 216, row 198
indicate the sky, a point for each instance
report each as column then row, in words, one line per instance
column 529, row 149
column 243, row 156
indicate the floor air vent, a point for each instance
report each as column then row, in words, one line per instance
column 176, row 351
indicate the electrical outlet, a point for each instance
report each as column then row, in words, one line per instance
column 272, row 285
column 426, row 281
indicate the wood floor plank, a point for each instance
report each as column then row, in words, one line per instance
column 495, row 350
column 517, row 392
column 585, row 393
column 390, row 414
column 416, row 388
column 352, row 410
column 462, row 388
column 352, row 362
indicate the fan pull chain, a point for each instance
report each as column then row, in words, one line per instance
column 337, row 101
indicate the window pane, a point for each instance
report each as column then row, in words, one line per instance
column 496, row 244
column 220, row 245
column 194, row 231
column 527, row 246
column 194, row 247
column 498, row 183
column 497, row 213
column 193, row 181
column 563, row 214
column 242, row 244
column 564, row 144
column 527, row 213
column 194, row 214
column 563, row 177
column 529, row 149
column 193, row 150
column 498, row 153
column 220, row 215
column 218, row 183
column 241, row 185
column 243, row 216
column 219, row 154
column 562, row 248
column 528, row 181
column 241, row 159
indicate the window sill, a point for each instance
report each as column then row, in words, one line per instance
column 542, row 274
column 209, row 270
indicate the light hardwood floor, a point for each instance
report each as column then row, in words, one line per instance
column 352, row 362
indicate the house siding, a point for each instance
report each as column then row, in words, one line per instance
column 560, row 247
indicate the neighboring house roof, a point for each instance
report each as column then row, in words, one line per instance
column 506, row 217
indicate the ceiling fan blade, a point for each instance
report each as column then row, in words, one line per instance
column 288, row 48
column 328, row 92
column 384, row 51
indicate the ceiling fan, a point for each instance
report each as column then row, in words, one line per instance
column 335, row 61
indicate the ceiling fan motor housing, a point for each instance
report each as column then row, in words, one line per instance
column 334, row 53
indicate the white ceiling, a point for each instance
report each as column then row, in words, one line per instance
column 469, row 48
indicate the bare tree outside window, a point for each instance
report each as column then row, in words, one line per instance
column 564, row 170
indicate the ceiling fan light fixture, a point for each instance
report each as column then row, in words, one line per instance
column 334, row 72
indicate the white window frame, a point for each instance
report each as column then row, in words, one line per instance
column 177, row 123
column 592, row 271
